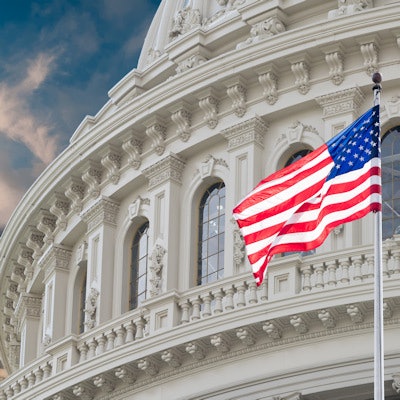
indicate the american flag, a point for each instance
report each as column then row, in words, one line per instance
column 295, row 208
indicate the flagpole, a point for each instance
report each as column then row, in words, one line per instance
column 379, row 382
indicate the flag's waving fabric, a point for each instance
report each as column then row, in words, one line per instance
column 295, row 208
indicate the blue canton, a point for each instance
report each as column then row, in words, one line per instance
column 356, row 145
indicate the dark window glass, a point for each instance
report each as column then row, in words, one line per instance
column 138, row 276
column 82, row 301
column 391, row 183
column 211, row 235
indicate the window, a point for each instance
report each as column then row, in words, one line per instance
column 391, row 183
column 138, row 275
column 210, row 265
column 82, row 302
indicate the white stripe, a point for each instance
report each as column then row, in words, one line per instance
column 325, row 154
column 277, row 199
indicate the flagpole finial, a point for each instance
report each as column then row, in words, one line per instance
column 376, row 78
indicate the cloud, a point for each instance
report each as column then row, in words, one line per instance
column 17, row 121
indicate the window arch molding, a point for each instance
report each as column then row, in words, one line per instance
column 189, row 224
column 124, row 237
column 289, row 143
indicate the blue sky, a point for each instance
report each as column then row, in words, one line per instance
column 58, row 60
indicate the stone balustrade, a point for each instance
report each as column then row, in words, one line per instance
column 317, row 276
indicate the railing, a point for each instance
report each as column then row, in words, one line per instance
column 316, row 274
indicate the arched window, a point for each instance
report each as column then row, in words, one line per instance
column 82, row 301
column 210, row 264
column 138, row 271
column 391, row 183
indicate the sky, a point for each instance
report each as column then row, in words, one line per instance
column 58, row 60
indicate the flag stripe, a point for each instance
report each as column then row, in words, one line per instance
column 295, row 208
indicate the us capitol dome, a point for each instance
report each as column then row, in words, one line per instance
column 122, row 272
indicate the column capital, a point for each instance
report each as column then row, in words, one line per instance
column 103, row 211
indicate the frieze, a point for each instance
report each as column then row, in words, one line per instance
column 168, row 169
column 344, row 101
column 247, row 132
column 103, row 211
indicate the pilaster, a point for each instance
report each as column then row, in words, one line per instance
column 101, row 220
column 165, row 180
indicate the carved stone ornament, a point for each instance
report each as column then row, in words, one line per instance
column 156, row 131
column 168, row 169
column 295, row 133
column 133, row 147
column 135, row 207
column 190, row 62
column 184, row 20
column 91, row 308
column 182, row 119
column 92, row 177
column 207, row 166
column 156, row 268
column 269, row 82
column 112, row 163
column 347, row 7
column 208, row 103
column 301, row 72
column 263, row 30
column 238, row 247
column 103, row 211
column 335, row 60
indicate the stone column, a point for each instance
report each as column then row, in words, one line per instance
column 165, row 179
column 56, row 272
column 101, row 220
column 246, row 169
column 28, row 311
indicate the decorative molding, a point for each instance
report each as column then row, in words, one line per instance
column 28, row 306
column 220, row 342
column 112, row 163
column 126, row 374
column 75, row 192
column 327, row 319
column 184, row 20
column 301, row 71
column 182, row 119
column 208, row 102
column 172, row 358
column 299, row 324
column 236, row 91
column 396, row 382
column 268, row 79
column 245, row 336
column 348, row 7
column 104, row 382
column 251, row 131
column 136, row 207
column 295, row 133
column 91, row 308
column 190, row 62
column 238, row 246
column 103, row 211
column 26, row 260
column 84, row 391
column 149, row 366
column 355, row 314
column 47, row 225
column 335, row 59
column 195, row 350
column 156, row 132
column 156, row 269
column 35, row 242
column 57, row 257
column 60, row 208
column 168, row 169
column 271, row 26
column 391, row 108
column 133, row 147
column 370, row 51
column 344, row 101
column 92, row 177
column 207, row 166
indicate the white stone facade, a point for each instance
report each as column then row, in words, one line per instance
column 225, row 91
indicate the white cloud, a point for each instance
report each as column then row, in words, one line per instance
column 17, row 121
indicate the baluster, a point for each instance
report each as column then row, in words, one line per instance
column 306, row 272
column 196, row 308
column 24, row 384
column 46, row 370
column 92, row 348
column 16, row 387
column 140, row 322
column 38, row 375
column 9, row 393
column 130, row 332
column 218, row 296
column 230, row 291
column 31, row 379
column 331, row 267
column 241, row 290
column 252, row 292
column 83, row 352
column 344, row 263
column 371, row 264
column 120, row 340
column 185, row 306
column 319, row 275
column 207, row 305
column 110, row 340
column 264, row 290
column 3, row 395
column 357, row 263
column 101, row 341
